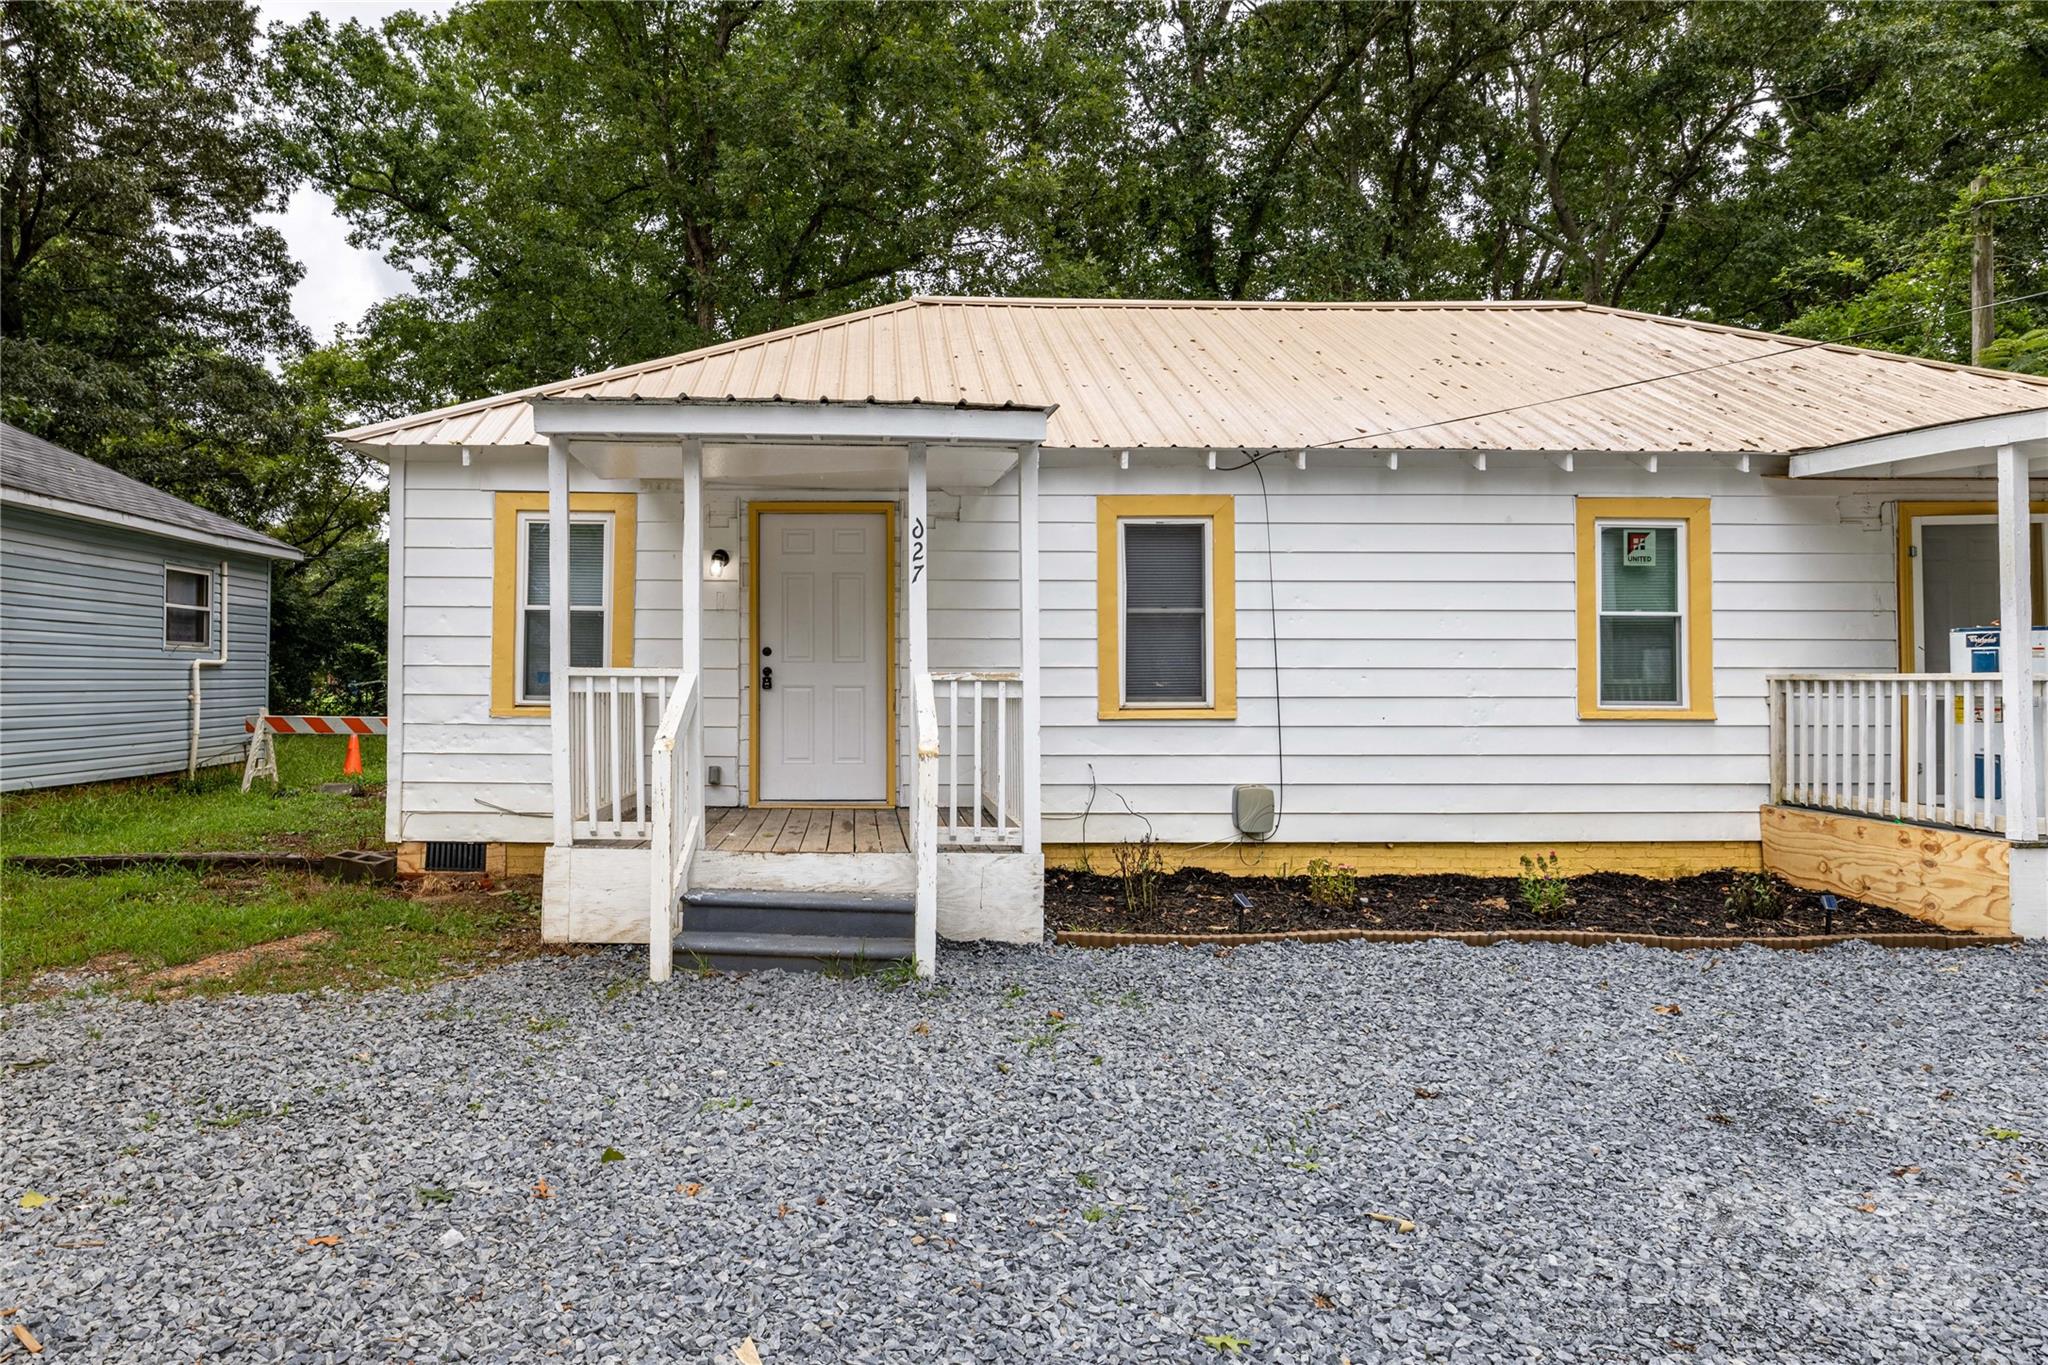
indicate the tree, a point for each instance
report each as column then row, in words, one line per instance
column 144, row 306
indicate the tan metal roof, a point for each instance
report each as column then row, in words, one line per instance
column 1456, row 376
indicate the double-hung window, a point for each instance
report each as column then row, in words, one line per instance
column 1166, row 600
column 1645, row 630
column 590, row 605
column 188, row 608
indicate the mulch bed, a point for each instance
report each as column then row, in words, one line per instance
column 1194, row 901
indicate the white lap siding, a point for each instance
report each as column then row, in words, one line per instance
column 469, row 775
column 1427, row 636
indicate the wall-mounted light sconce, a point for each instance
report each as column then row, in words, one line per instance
column 719, row 559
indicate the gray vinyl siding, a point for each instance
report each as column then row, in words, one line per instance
column 88, row 688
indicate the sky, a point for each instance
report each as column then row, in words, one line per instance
column 341, row 281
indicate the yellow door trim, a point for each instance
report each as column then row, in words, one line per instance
column 624, row 509
column 751, row 663
column 1699, row 605
column 1911, row 512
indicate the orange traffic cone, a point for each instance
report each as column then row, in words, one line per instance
column 352, row 766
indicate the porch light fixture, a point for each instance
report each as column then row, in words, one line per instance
column 719, row 559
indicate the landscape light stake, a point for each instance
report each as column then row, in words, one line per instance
column 1244, row 903
column 1827, row 903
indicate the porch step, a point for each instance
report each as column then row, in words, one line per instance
column 733, row 951
column 877, row 915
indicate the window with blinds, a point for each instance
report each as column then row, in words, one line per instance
column 589, row 601
column 1642, row 616
column 1165, row 577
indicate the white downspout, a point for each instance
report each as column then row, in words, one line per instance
column 192, row 693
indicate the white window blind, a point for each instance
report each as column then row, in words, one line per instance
column 589, row 603
column 1166, row 611
column 1642, row 621
column 188, row 607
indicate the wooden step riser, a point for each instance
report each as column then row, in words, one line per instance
column 884, row 923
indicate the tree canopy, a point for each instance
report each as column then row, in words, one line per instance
column 581, row 184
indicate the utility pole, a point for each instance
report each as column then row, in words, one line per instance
column 1981, row 302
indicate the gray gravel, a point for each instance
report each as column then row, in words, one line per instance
column 1804, row 1161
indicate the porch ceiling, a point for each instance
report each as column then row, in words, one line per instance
column 1950, row 449
column 787, row 464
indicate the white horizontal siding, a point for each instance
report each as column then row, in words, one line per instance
column 1426, row 622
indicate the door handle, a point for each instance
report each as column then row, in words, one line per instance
column 767, row 679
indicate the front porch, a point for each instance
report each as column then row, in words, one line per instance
column 850, row 762
column 1925, row 789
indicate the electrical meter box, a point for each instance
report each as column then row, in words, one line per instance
column 1251, row 809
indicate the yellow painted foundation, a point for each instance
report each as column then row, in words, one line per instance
column 1477, row 860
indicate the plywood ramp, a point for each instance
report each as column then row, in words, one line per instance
column 1645, row 859
column 1944, row 876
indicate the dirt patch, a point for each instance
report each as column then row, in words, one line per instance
column 1194, row 900
column 222, row 966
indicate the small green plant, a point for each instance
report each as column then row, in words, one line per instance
column 1047, row 1037
column 609, row 1155
column 1012, row 993
column 1998, row 1134
column 232, row 1118
column 1753, row 896
column 1092, row 1214
column 1139, row 866
column 728, row 1103
column 434, row 1194
column 620, row 988
column 1087, row 1180
column 1542, row 888
column 546, row 1023
column 1331, row 886
column 1226, row 1345
column 896, row 975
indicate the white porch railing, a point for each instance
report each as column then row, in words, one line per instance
column 677, row 808
column 613, row 716
column 1926, row 747
column 924, row 823
column 980, row 758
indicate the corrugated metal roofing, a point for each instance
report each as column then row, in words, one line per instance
column 29, row 464
column 1454, row 376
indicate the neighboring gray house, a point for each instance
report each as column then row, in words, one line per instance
column 134, row 627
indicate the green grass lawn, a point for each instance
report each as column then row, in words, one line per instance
column 166, row 815
column 135, row 923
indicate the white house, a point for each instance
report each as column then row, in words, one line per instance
column 908, row 601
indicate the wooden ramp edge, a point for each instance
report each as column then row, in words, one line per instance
column 1953, row 878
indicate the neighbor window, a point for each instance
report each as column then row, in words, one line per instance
column 1166, row 597
column 188, row 607
column 589, row 609
column 602, row 560
column 1645, row 634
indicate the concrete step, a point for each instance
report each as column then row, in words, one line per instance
column 812, row 913
column 730, row 951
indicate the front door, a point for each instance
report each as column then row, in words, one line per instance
column 821, row 656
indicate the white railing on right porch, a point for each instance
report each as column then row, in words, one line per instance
column 1927, row 747
column 981, row 759
column 678, row 819
column 924, row 823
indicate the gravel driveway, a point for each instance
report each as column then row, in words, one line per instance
column 1610, row 1154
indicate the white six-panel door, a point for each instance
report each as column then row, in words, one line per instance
column 821, row 660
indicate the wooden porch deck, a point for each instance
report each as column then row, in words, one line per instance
column 819, row 829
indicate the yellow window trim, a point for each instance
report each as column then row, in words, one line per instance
column 1221, row 510
column 1699, row 605
column 1911, row 512
column 749, row 647
column 505, row 587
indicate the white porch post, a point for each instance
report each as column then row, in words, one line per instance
column 917, row 566
column 558, row 633
column 2016, row 654
column 693, row 559
column 1027, row 642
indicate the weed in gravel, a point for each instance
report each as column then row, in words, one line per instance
column 896, row 975
column 1543, row 890
column 727, row 1104
column 1224, row 1344
column 232, row 1118
column 546, row 1023
column 1047, row 1037
column 1012, row 993
column 1094, row 1213
column 434, row 1194
column 1087, row 1180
